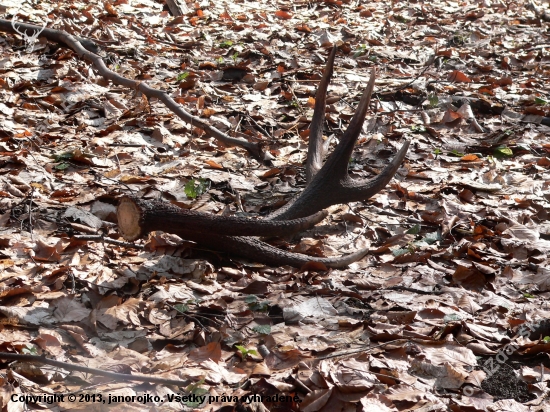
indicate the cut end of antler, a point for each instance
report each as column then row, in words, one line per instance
column 128, row 215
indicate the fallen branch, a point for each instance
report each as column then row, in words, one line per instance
column 86, row 51
column 71, row 367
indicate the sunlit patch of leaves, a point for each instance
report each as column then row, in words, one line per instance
column 433, row 100
column 360, row 51
column 418, row 128
column 411, row 247
column 30, row 349
column 226, row 44
column 293, row 103
column 64, row 158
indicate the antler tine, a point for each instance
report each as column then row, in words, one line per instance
column 338, row 161
column 357, row 190
column 332, row 184
column 316, row 149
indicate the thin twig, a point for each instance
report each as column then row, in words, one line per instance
column 101, row 238
column 413, row 290
column 259, row 127
column 346, row 354
column 185, row 315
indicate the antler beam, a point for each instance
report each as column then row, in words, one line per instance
column 137, row 217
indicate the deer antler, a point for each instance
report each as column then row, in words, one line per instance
column 327, row 185
column 29, row 40
column 331, row 184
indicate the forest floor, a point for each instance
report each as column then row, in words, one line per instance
column 449, row 309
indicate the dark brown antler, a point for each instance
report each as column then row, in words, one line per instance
column 332, row 185
column 137, row 217
column 327, row 185
column 316, row 149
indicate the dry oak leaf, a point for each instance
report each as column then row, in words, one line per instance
column 284, row 15
column 125, row 313
column 458, row 76
column 211, row 351
column 219, row 373
column 68, row 309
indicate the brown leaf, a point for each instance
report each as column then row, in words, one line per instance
column 284, row 359
column 284, row 15
column 469, row 157
column 272, row 172
column 200, row 102
column 351, row 217
column 303, row 28
column 450, row 116
column 261, row 370
column 214, row 165
column 469, row 278
column 211, row 351
column 257, row 287
column 459, row 77
column 109, row 8
column 48, row 252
